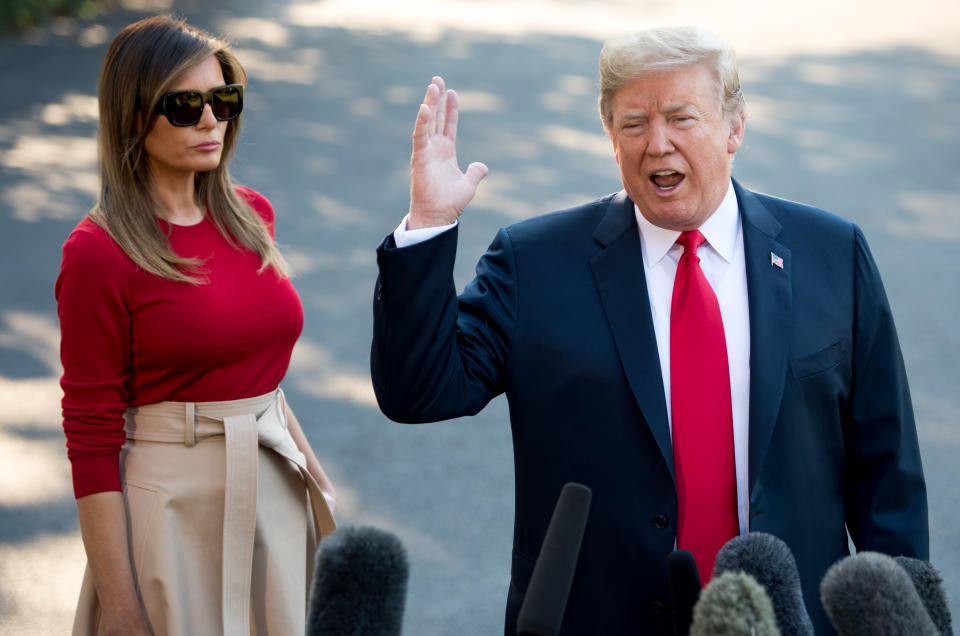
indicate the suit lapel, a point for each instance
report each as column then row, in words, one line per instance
column 618, row 272
column 770, row 302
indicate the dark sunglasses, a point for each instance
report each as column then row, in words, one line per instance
column 185, row 108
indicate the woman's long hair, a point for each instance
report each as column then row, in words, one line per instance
column 144, row 60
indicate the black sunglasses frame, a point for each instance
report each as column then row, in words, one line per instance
column 164, row 106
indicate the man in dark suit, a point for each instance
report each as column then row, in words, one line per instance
column 709, row 360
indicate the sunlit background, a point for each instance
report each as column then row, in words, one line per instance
column 853, row 106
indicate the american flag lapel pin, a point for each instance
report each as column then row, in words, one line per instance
column 776, row 261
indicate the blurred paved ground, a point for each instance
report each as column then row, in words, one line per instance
column 857, row 112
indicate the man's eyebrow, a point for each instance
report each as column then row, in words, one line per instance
column 673, row 109
column 633, row 115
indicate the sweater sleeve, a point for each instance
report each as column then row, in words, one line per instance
column 95, row 352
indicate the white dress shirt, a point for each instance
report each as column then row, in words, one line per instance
column 404, row 237
column 722, row 262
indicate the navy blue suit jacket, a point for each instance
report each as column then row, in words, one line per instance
column 558, row 318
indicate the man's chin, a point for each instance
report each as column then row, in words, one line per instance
column 671, row 215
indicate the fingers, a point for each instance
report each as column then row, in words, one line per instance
column 452, row 115
column 475, row 172
column 438, row 113
column 434, row 113
column 422, row 128
column 442, row 105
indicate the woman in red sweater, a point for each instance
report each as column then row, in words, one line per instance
column 199, row 498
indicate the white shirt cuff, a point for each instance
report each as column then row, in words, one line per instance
column 405, row 238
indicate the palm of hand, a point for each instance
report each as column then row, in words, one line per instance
column 439, row 191
column 437, row 185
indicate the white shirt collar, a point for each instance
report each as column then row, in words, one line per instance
column 720, row 229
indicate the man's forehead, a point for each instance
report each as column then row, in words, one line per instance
column 688, row 87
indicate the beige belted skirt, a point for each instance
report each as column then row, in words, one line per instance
column 223, row 519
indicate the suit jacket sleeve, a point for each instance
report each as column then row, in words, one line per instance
column 435, row 356
column 886, row 497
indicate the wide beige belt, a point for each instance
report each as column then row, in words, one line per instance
column 245, row 425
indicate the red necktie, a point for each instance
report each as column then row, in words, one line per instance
column 703, row 454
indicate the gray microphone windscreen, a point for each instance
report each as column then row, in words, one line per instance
column 541, row 612
column 868, row 594
column 768, row 560
column 733, row 604
column 929, row 586
column 359, row 584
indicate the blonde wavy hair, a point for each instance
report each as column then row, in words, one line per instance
column 662, row 50
column 144, row 60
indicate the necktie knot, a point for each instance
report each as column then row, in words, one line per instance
column 690, row 241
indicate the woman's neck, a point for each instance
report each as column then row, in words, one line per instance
column 176, row 198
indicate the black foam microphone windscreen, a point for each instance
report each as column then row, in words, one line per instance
column 929, row 585
column 734, row 604
column 541, row 613
column 868, row 594
column 768, row 560
column 683, row 587
column 359, row 584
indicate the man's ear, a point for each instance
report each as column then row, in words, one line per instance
column 738, row 126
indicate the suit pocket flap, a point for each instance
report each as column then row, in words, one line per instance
column 819, row 361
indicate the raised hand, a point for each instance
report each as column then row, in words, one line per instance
column 439, row 191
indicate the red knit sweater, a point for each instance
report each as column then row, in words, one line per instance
column 131, row 338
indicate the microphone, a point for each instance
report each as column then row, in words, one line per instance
column 869, row 594
column 542, row 611
column 734, row 604
column 683, row 586
column 929, row 586
column 769, row 561
column 359, row 584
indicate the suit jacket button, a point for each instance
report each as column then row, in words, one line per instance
column 658, row 608
column 660, row 522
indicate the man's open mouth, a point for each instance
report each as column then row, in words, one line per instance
column 666, row 180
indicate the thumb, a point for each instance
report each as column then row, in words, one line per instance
column 476, row 171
